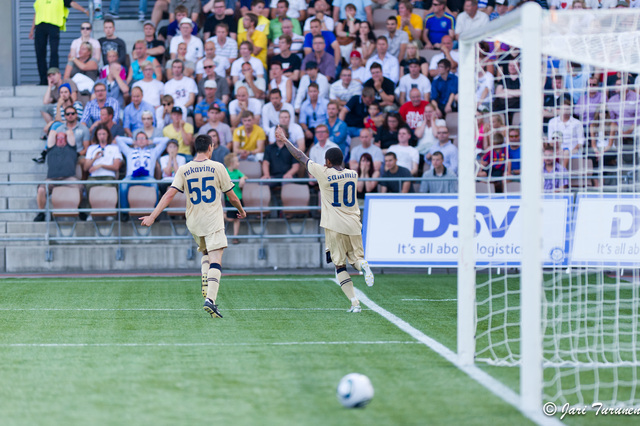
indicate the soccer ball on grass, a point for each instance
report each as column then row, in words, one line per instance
column 355, row 390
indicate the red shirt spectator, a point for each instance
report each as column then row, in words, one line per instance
column 412, row 113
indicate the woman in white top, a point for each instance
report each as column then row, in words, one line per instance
column 426, row 130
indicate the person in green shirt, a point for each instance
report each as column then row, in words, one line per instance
column 232, row 163
column 275, row 26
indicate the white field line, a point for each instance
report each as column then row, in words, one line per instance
column 194, row 279
column 494, row 386
column 168, row 309
column 429, row 300
column 174, row 344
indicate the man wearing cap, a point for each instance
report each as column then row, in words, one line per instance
column 358, row 72
column 222, row 87
column 182, row 88
column 311, row 76
column 195, row 49
column 181, row 131
column 414, row 80
column 326, row 62
column 397, row 39
column 215, row 116
column 344, row 89
column 502, row 7
column 256, row 86
column 133, row 112
column 155, row 47
column 200, row 111
column 51, row 96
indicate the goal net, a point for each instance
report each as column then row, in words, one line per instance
column 549, row 207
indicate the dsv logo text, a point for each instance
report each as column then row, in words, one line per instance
column 449, row 217
column 616, row 223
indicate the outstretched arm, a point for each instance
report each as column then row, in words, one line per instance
column 295, row 152
column 164, row 202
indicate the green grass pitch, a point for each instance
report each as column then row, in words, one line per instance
column 141, row 351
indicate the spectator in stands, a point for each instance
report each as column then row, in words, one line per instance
column 470, row 18
column 446, row 52
column 366, row 171
column 554, row 98
column 440, row 180
column 61, row 166
column 296, row 134
column 225, row 46
column 245, row 49
column 80, row 131
column 280, row 82
column 215, row 116
column 148, row 127
column 338, row 131
column 363, row 10
column 170, row 163
column 248, row 139
column 384, row 88
column 311, row 76
column 444, row 90
column 141, row 163
column 318, row 150
column 258, row 9
column 438, row 24
column 65, row 99
column 484, row 89
column 133, row 112
column 203, row 106
column 345, row 88
column 623, row 109
column 140, row 57
column 257, row 38
column 502, row 7
column 152, row 89
column 220, row 63
column 52, row 94
column 85, row 37
column 359, row 73
column 291, row 63
column 82, row 63
column 375, row 118
column 222, row 92
column 365, row 42
column 112, row 64
column 513, row 152
column 347, row 29
column 271, row 111
column 103, row 158
column 494, row 161
column 412, row 112
column 195, row 48
column 163, row 112
column 243, row 103
column 407, row 156
column 232, row 164
column 48, row 19
column 219, row 150
column 508, row 90
column 426, row 131
column 219, row 16
column 387, row 133
column 175, row 17
column 389, row 64
column 181, row 131
column 189, row 66
column 356, row 110
column 256, row 86
column 408, row 21
column 111, row 42
column 553, row 173
column 275, row 26
column 331, row 43
column 295, row 42
column 588, row 105
column 366, row 146
column 572, row 132
column 414, row 81
column 604, row 4
column 155, row 47
column 106, row 118
column 446, row 147
column 91, row 113
column 322, row 14
column 398, row 40
column 326, row 62
column 278, row 163
column 413, row 54
column 392, row 170
column 182, row 89
column 116, row 87
column 297, row 10
column 313, row 112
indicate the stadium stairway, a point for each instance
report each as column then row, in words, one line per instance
column 20, row 130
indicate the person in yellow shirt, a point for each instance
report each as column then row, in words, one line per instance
column 257, row 8
column 408, row 21
column 248, row 139
column 181, row 131
column 255, row 36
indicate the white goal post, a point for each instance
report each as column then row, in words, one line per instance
column 603, row 39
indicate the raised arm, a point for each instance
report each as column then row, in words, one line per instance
column 295, row 152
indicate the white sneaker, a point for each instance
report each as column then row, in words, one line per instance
column 368, row 275
column 355, row 309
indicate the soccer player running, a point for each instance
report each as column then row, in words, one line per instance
column 340, row 216
column 204, row 181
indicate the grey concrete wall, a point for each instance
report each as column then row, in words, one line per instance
column 8, row 44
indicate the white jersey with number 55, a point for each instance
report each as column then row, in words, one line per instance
column 340, row 210
column 203, row 182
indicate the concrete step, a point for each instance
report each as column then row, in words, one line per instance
column 28, row 112
column 30, row 133
column 20, row 203
column 13, row 145
column 6, row 91
column 22, row 123
column 30, row 90
column 3, row 203
column 20, row 168
column 28, row 177
column 23, row 157
column 5, row 134
column 18, row 191
column 22, row 101
column 4, row 156
column 4, row 178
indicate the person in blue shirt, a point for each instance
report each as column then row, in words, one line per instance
column 338, row 130
column 133, row 112
column 312, row 112
column 444, row 89
column 437, row 25
column 331, row 43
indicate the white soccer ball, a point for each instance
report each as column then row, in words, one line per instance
column 355, row 390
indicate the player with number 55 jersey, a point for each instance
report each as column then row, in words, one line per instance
column 203, row 182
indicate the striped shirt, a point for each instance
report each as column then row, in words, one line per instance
column 229, row 50
column 91, row 112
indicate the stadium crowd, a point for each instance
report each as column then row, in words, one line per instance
column 380, row 85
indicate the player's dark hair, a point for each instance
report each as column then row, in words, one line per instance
column 334, row 155
column 202, row 143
